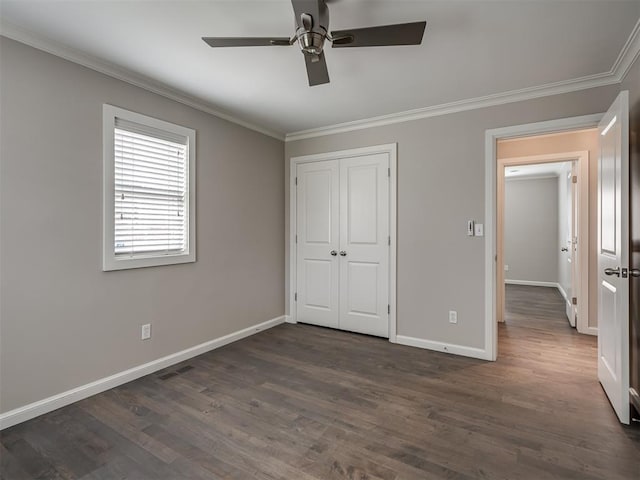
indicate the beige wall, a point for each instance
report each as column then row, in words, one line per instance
column 63, row 321
column 440, row 186
column 531, row 246
column 560, row 143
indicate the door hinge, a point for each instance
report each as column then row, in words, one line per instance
column 296, row 238
column 389, row 239
column 295, row 297
column 389, row 309
column 296, row 180
column 389, row 172
column 574, row 179
column 574, row 300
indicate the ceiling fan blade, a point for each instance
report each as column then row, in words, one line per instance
column 316, row 69
column 246, row 41
column 385, row 35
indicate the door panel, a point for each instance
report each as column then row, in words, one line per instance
column 613, row 256
column 317, row 202
column 363, row 288
column 317, row 282
column 318, row 227
column 608, row 193
column 364, row 233
column 362, row 207
column 609, row 354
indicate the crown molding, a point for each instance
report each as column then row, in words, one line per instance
column 627, row 56
column 34, row 40
column 557, row 88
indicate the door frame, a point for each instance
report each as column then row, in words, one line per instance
column 391, row 150
column 582, row 286
column 490, row 252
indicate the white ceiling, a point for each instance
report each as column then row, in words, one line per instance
column 471, row 49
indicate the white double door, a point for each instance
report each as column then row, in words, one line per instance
column 342, row 249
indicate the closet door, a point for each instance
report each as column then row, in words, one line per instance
column 317, row 262
column 364, row 244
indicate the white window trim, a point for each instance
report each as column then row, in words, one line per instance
column 109, row 259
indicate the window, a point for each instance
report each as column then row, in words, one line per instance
column 149, row 191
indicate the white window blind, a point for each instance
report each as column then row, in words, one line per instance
column 150, row 189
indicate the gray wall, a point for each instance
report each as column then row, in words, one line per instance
column 64, row 322
column 531, row 229
column 441, row 185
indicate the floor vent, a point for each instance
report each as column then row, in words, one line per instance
column 180, row 370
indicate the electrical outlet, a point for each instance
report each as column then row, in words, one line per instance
column 453, row 316
column 146, row 332
column 478, row 230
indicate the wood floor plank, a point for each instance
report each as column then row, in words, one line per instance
column 303, row 402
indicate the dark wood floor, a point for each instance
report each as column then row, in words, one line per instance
column 301, row 402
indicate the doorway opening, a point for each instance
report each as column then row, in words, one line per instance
column 543, row 213
column 540, row 231
column 543, row 235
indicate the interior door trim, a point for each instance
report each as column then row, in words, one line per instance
column 391, row 150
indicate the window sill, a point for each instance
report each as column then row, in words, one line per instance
column 125, row 263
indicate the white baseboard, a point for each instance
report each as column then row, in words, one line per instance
column 532, row 283
column 35, row 409
column 563, row 293
column 591, row 331
column 289, row 319
column 444, row 347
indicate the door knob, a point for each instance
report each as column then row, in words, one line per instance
column 343, row 253
column 334, row 253
column 612, row 271
column 634, row 272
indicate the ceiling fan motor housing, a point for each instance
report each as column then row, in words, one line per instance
column 312, row 25
column 311, row 42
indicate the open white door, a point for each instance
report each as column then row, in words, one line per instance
column 613, row 255
column 569, row 261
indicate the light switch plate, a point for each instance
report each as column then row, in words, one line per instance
column 479, row 230
column 470, row 228
column 145, row 332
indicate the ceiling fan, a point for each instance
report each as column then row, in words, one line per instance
column 312, row 29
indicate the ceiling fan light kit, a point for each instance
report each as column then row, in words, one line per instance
column 312, row 29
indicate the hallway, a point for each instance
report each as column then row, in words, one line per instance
column 537, row 341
